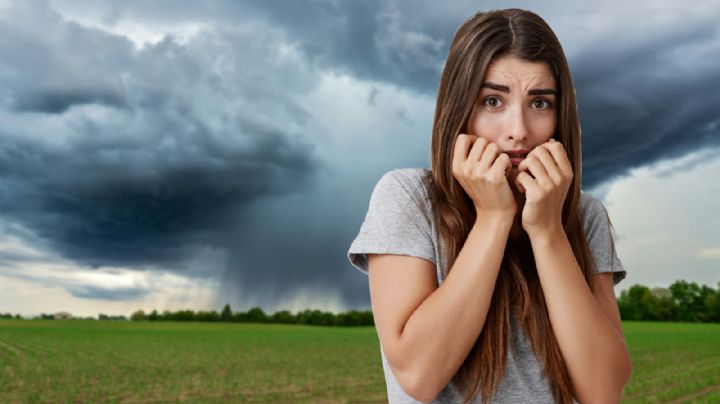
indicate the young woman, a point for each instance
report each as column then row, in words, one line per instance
column 491, row 275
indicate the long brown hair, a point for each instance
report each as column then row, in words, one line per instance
column 479, row 40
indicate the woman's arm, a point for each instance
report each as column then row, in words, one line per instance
column 590, row 341
column 591, row 344
column 428, row 331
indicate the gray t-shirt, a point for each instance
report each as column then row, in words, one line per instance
column 400, row 221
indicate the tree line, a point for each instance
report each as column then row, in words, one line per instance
column 257, row 315
column 254, row 315
column 682, row 301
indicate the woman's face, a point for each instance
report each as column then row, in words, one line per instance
column 516, row 107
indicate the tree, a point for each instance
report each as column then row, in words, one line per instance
column 348, row 319
column 712, row 305
column 661, row 305
column 633, row 303
column 366, row 318
column 184, row 315
column 209, row 316
column 707, row 300
column 138, row 316
column 256, row 315
column 688, row 300
column 283, row 317
column 316, row 317
column 226, row 314
column 240, row 317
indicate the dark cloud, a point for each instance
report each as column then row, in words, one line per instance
column 644, row 102
column 138, row 157
column 101, row 213
column 101, row 293
column 165, row 160
column 50, row 65
column 388, row 41
column 302, row 245
column 628, row 86
column 59, row 101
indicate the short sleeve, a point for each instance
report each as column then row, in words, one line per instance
column 397, row 220
column 598, row 230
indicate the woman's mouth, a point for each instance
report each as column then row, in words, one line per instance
column 517, row 156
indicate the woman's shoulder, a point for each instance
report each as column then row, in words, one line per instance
column 409, row 175
column 595, row 217
column 404, row 188
column 412, row 181
column 590, row 205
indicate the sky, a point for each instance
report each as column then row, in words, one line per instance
column 170, row 155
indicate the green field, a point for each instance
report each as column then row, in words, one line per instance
column 673, row 362
column 93, row 361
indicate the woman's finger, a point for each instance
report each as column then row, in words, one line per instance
column 535, row 167
column 549, row 164
column 557, row 150
column 460, row 150
column 489, row 155
column 478, row 146
column 527, row 183
column 502, row 165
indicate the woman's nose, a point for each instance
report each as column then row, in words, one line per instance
column 516, row 127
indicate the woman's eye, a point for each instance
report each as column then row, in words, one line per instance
column 492, row 102
column 542, row 104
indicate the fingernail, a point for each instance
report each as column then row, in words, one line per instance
column 552, row 140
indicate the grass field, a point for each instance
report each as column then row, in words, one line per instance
column 92, row 361
column 673, row 362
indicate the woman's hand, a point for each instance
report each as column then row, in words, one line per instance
column 545, row 193
column 481, row 168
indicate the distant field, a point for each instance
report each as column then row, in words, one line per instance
column 91, row 361
column 673, row 362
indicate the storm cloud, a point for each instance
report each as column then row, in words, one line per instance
column 140, row 153
column 653, row 100
column 240, row 141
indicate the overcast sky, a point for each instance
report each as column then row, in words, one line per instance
column 166, row 155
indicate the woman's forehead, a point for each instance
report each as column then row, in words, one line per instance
column 512, row 72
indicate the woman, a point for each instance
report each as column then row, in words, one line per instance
column 491, row 275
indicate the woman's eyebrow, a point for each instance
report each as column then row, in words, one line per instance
column 506, row 89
